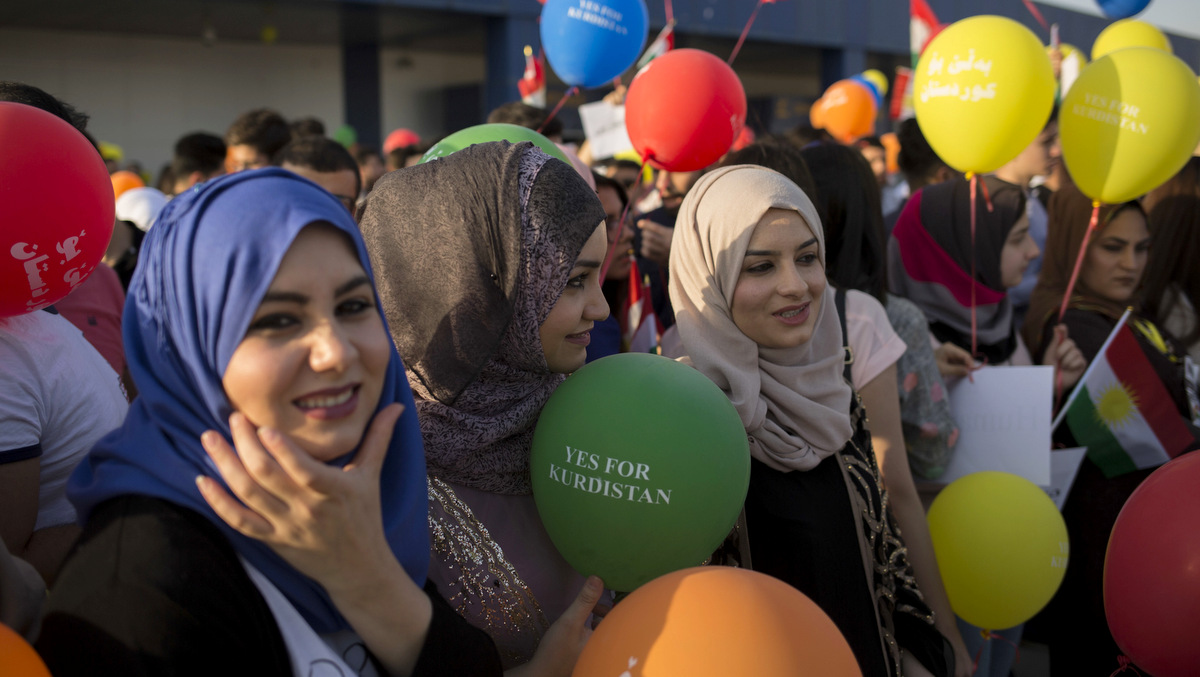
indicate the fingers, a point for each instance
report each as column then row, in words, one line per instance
column 374, row 448
column 241, row 519
column 233, row 467
column 585, row 602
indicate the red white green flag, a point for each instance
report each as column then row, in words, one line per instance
column 923, row 25
column 1122, row 412
column 642, row 330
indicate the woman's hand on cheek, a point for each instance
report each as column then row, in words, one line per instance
column 324, row 520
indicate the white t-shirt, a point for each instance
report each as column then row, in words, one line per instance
column 58, row 396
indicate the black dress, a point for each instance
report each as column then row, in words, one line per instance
column 829, row 533
column 153, row 588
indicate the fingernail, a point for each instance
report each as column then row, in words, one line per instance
column 200, row 482
column 267, row 434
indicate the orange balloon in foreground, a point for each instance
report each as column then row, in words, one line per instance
column 717, row 621
column 846, row 110
column 17, row 658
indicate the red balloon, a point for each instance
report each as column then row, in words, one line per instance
column 1152, row 571
column 684, row 110
column 56, row 208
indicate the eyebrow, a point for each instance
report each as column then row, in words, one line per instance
column 587, row 263
column 766, row 252
column 296, row 297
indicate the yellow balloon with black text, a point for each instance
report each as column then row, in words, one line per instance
column 982, row 91
column 1129, row 123
column 1129, row 33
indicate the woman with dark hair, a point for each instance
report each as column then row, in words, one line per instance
column 1171, row 291
column 903, row 392
column 1113, row 266
column 959, row 275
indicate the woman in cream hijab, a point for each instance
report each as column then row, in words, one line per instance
column 756, row 316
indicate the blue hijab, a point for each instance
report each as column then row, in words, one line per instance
column 204, row 266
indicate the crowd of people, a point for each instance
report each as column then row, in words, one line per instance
column 286, row 424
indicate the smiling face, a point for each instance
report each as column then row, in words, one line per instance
column 778, row 294
column 1019, row 249
column 313, row 360
column 1117, row 258
column 565, row 333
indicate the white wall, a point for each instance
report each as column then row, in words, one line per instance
column 412, row 84
column 144, row 93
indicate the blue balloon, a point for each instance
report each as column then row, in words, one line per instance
column 870, row 88
column 590, row 42
column 1121, row 9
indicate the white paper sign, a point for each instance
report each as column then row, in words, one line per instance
column 1064, row 466
column 604, row 125
column 1003, row 422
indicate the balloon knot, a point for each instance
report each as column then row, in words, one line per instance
column 970, row 175
column 1095, row 204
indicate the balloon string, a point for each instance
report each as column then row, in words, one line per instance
column 1126, row 664
column 989, row 635
column 561, row 102
column 738, row 47
column 974, row 329
column 1087, row 235
column 608, row 258
column 667, row 11
column 1036, row 14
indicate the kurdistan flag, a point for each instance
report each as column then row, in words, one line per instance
column 1122, row 412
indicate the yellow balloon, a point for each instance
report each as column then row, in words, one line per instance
column 1001, row 546
column 1129, row 123
column 1129, row 33
column 983, row 90
column 877, row 78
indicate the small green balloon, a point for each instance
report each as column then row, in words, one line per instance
column 640, row 467
column 345, row 135
column 492, row 132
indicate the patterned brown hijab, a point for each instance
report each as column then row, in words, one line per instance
column 472, row 251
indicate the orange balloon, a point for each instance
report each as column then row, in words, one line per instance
column 716, row 621
column 846, row 110
column 18, row 658
column 891, row 146
column 125, row 180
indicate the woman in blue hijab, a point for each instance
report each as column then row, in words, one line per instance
column 252, row 323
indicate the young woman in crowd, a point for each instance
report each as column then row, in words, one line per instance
column 1171, row 293
column 1112, row 270
column 894, row 368
column 252, row 323
column 960, row 283
column 756, row 316
column 489, row 263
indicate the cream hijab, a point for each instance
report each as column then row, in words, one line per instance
column 794, row 402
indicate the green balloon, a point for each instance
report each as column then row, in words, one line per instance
column 492, row 132
column 345, row 135
column 639, row 467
